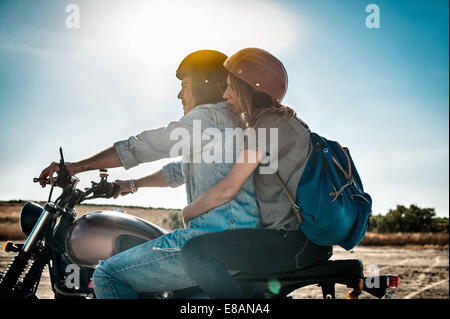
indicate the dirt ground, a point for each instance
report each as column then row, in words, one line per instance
column 423, row 272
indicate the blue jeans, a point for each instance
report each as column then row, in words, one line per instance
column 140, row 269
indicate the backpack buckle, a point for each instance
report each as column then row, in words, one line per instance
column 298, row 212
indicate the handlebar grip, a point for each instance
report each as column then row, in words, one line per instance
column 116, row 188
column 111, row 189
column 45, row 180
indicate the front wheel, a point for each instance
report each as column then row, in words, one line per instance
column 18, row 292
column 11, row 277
column 61, row 296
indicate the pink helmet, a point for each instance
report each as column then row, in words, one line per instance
column 261, row 70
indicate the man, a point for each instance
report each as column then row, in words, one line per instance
column 155, row 266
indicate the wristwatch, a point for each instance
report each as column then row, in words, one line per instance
column 133, row 186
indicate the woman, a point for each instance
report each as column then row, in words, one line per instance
column 257, row 83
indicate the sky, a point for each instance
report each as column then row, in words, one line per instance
column 86, row 83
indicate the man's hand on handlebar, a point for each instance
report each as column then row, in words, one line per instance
column 125, row 188
column 52, row 169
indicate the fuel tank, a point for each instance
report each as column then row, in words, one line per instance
column 99, row 235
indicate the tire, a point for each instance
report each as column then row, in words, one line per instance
column 19, row 294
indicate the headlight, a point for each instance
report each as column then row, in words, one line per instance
column 29, row 216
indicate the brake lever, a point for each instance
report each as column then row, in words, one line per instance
column 64, row 179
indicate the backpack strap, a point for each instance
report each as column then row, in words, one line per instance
column 297, row 210
column 295, row 207
column 303, row 124
column 348, row 174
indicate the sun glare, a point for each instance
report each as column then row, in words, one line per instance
column 168, row 28
column 148, row 39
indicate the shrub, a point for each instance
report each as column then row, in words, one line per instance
column 173, row 221
column 408, row 220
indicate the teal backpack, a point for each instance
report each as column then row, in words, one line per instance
column 331, row 204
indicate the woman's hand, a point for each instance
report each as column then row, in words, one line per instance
column 186, row 216
column 226, row 189
column 124, row 189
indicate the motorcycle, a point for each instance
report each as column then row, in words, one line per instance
column 71, row 247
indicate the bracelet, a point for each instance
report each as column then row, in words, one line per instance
column 132, row 186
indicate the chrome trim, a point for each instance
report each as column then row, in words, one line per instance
column 36, row 230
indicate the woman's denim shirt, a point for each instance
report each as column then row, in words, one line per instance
column 201, row 137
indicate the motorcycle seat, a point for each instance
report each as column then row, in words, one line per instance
column 337, row 270
column 344, row 271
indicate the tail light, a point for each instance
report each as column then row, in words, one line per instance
column 392, row 281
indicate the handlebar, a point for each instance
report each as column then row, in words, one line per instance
column 38, row 180
column 102, row 189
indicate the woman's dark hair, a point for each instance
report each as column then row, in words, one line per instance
column 208, row 75
column 255, row 104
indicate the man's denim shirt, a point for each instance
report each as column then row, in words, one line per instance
column 241, row 212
